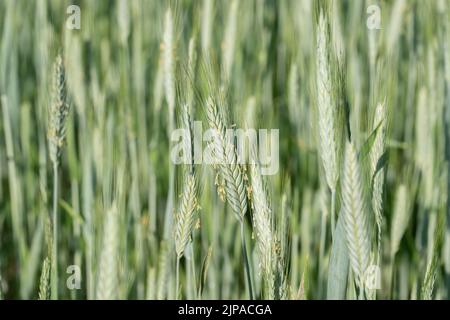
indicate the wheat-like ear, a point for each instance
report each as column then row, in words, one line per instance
column 262, row 221
column 44, row 283
column 58, row 111
column 186, row 215
column 271, row 249
column 376, row 153
column 355, row 217
column 57, row 114
column 107, row 281
column 188, row 204
column 231, row 172
column 185, row 221
column 225, row 154
column 327, row 112
column 426, row 292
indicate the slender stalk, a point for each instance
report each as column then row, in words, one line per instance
column 246, row 263
column 177, row 278
column 333, row 213
column 323, row 237
column 54, row 277
column 361, row 293
column 193, row 270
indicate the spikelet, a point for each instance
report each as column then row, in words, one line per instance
column 376, row 153
column 262, row 221
column 188, row 205
column 58, row 112
column 186, row 216
column 354, row 212
column 426, row 292
column 48, row 235
column 107, row 281
column 44, row 283
column 327, row 112
column 225, row 155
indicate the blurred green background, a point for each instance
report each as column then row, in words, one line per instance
column 117, row 149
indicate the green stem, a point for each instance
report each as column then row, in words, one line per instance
column 177, row 279
column 361, row 292
column 193, row 270
column 333, row 214
column 323, row 237
column 54, row 277
column 378, row 244
column 246, row 263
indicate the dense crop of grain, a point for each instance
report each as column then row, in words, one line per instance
column 122, row 174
